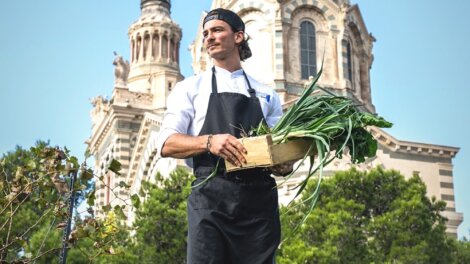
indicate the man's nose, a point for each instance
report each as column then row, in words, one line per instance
column 209, row 39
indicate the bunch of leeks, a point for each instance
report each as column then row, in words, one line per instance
column 333, row 124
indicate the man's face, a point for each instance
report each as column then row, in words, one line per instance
column 219, row 39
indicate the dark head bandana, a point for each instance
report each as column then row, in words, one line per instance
column 235, row 22
column 228, row 16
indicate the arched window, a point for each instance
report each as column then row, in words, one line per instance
column 155, row 45
column 308, row 58
column 347, row 60
column 137, row 50
column 165, row 47
column 172, row 50
column 146, row 44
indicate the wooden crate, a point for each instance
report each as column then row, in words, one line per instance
column 263, row 153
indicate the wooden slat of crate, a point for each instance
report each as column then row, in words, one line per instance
column 258, row 153
column 262, row 152
column 292, row 150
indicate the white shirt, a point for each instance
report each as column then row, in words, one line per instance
column 189, row 100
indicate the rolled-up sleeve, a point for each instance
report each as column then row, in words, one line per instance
column 178, row 116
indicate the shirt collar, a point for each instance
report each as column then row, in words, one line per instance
column 223, row 72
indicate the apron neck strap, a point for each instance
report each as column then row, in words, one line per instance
column 250, row 90
column 214, row 81
column 214, row 84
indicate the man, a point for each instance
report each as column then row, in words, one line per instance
column 233, row 217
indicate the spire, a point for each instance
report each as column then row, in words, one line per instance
column 164, row 3
column 152, row 7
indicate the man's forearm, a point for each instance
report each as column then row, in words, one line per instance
column 226, row 146
column 183, row 146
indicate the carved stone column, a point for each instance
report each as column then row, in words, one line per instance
column 132, row 49
column 141, row 49
column 177, row 52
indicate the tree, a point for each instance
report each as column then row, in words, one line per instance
column 32, row 188
column 160, row 225
column 161, row 221
column 35, row 190
column 47, row 239
column 361, row 217
column 462, row 253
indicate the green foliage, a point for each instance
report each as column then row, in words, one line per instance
column 45, row 243
column 160, row 225
column 375, row 217
column 161, row 222
column 34, row 198
column 33, row 186
column 115, row 166
column 101, row 241
column 462, row 253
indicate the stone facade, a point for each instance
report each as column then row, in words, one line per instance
column 125, row 127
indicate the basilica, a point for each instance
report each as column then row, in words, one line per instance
column 289, row 39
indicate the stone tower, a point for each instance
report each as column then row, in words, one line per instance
column 126, row 125
column 154, row 47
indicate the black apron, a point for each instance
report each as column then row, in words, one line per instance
column 233, row 217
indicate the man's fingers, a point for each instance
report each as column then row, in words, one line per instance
column 283, row 169
column 239, row 146
column 234, row 155
column 229, row 148
column 230, row 158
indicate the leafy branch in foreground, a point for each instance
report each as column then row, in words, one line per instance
column 35, row 190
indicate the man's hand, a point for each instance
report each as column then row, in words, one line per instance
column 283, row 169
column 229, row 148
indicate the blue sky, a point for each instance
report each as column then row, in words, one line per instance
column 56, row 55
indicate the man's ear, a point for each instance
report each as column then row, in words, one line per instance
column 239, row 37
